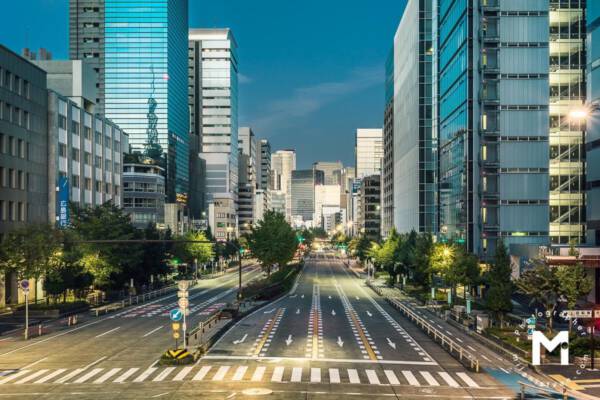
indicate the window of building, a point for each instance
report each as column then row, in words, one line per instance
column 21, row 148
column 107, row 165
column 11, row 210
column 87, row 132
column 107, row 188
column 116, row 190
column 75, row 127
column 98, row 162
column 26, row 120
column 62, row 121
column 117, row 146
column 87, row 184
column 12, row 178
column 17, row 85
column 16, row 116
column 26, row 89
column 2, row 143
column 62, row 149
column 2, row 210
column 7, row 111
column 107, row 141
column 87, row 158
column 21, row 211
column 11, row 146
column 98, row 186
column 2, row 177
column 8, row 80
column 21, row 178
column 117, row 169
column 75, row 154
column 98, row 137
column 75, row 181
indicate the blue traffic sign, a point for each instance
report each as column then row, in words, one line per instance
column 176, row 315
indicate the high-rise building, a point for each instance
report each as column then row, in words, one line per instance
column 329, row 169
column 302, row 189
column 283, row 162
column 139, row 51
column 213, row 96
column 387, row 164
column 567, row 143
column 368, row 152
column 369, row 207
column 247, row 179
column 489, row 115
column 325, row 196
column 262, row 200
column 592, row 139
column 414, row 152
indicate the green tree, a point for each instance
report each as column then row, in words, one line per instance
column 360, row 246
column 201, row 252
column 574, row 281
column 273, row 241
column 542, row 284
column 423, row 249
column 31, row 251
column 498, row 279
column 465, row 269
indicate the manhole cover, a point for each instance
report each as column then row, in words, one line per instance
column 257, row 392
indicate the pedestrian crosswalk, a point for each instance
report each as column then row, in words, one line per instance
column 244, row 373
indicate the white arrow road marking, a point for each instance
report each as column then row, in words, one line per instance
column 329, row 297
column 340, row 342
column 357, row 298
column 269, row 312
column 238, row 341
column 289, row 340
column 392, row 344
column 369, row 313
column 298, row 311
column 333, row 312
column 302, row 296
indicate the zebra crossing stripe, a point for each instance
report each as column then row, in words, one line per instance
column 183, row 373
column 297, row 374
column 315, row 375
column 429, row 378
column 89, row 375
column 221, row 373
column 353, row 376
column 31, row 377
column 50, row 376
column 448, row 379
column 202, row 373
column 467, row 379
column 258, row 374
column 277, row 374
column 107, row 375
column 372, row 377
column 160, row 377
column 70, row 375
column 239, row 373
column 145, row 375
column 391, row 377
column 334, row 375
column 126, row 375
column 14, row 376
column 411, row 378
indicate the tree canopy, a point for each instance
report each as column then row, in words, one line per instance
column 273, row 241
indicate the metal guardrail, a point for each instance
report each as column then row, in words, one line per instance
column 131, row 300
column 453, row 347
column 541, row 392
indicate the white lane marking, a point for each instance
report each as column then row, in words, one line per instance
column 505, row 371
column 334, row 375
column 221, row 373
column 485, row 358
column 202, row 373
column 467, row 379
column 258, row 374
column 277, row 374
column 183, row 373
column 353, row 376
column 411, row 378
column 239, row 373
column 336, row 360
column 6, row 338
column 429, row 378
column 391, row 377
column 90, row 365
column 160, row 377
column 126, row 375
column 471, row 348
column 14, row 376
column 50, row 376
column 296, row 375
column 315, row 375
column 448, row 379
column 448, row 332
column 70, row 375
column 459, row 339
column 107, row 375
column 372, row 377
column 34, row 363
column 89, row 375
column 107, row 332
column 159, row 395
column 152, row 331
column 31, row 377
column 145, row 375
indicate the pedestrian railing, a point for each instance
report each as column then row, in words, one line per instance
column 540, row 392
column 454, row 348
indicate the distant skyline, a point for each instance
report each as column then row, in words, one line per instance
column 309, row 76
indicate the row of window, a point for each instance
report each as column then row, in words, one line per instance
column 87, row 158
column 143, row 187
column 99, row 186
column 139, row 203
column 15, row 115
column 13, row 178
column 14, row 146
column 87, row 133
column 15, row 83
column 13, row 211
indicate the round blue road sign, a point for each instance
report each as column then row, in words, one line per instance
column 176, row 315
column 25, row 284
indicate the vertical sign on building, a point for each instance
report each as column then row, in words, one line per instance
column 63, row 202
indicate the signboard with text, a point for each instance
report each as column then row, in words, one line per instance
column 63, row 202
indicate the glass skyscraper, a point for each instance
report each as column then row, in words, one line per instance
column 143, row 46
column 592, row 145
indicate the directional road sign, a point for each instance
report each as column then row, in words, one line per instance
column 176, row 315
column 24, row 285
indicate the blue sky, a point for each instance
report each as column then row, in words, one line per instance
column 312, row 70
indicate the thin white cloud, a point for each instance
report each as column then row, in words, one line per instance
column 244, row 78
column 306, row 100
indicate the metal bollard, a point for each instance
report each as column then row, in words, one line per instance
column 40, row 330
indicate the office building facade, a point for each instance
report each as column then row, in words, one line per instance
column 247, row 166
column 331, row 171
column 387, row 163
column 283, row 162
column 369, row 207
column 144, row 194
column 368, row 152
column 139, row 50
column 491, row 112
column 213, row 102
column 592, row 143
column 302, row 190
